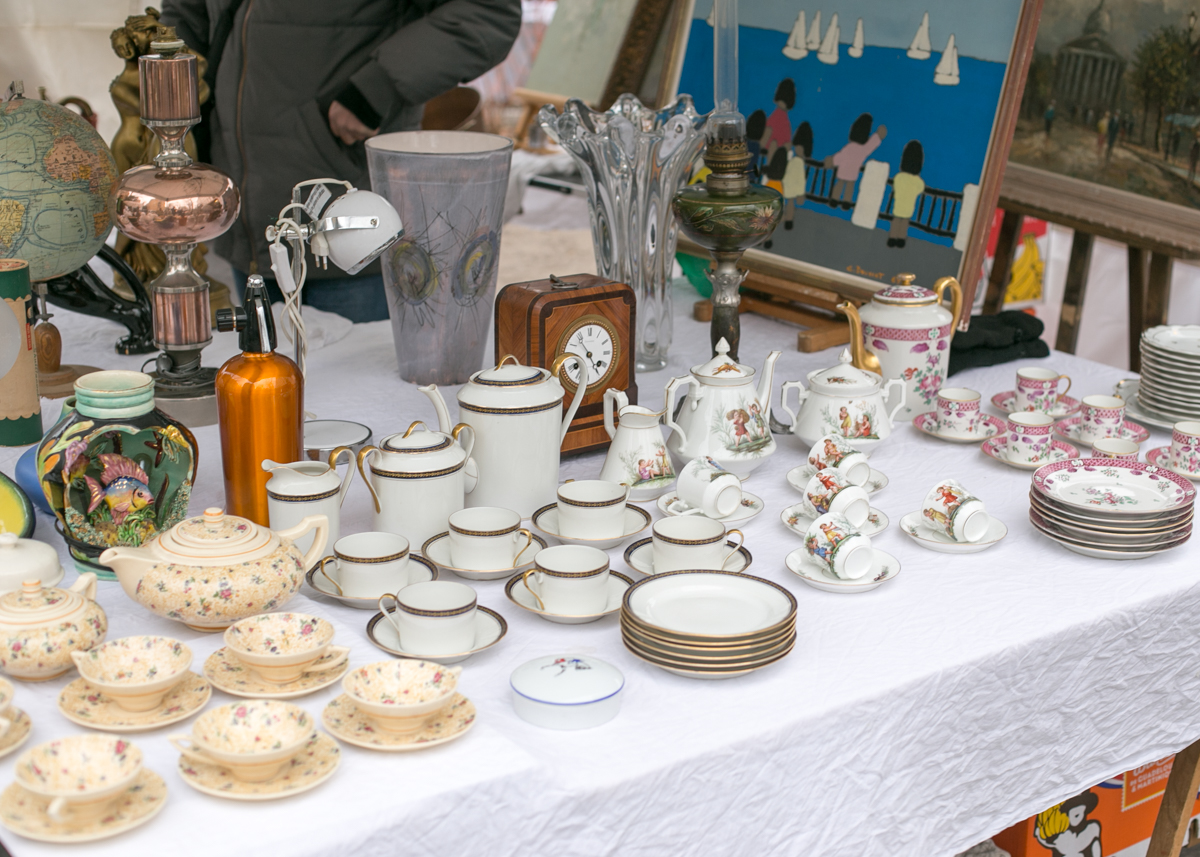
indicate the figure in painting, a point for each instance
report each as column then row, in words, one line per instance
column 758, row 421
column 906, row 187
column 795, row 177
column 1081, row 836
column 739, row 418
column 779, row 126
column 756, row 131
column 849, row 159
column 845, row 422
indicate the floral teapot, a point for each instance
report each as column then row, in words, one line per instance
column 845, row 401
column 724, row 416
column 904, row 332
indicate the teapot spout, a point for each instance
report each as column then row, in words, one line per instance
column 859, row 355
column 439, row 405
column 768, row 378
column 129, row 565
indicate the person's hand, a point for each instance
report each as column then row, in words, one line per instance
column 346, row 126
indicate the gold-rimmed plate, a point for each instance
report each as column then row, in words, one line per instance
column 426, row 571
column 683, row 656
column 490, row 629
column 437, row 548
column 709, row 606
column 702, row 673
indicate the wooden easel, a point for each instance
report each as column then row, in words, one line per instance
column 1175, row 811
column 533, row 102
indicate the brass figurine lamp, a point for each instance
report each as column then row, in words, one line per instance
column 176, row 203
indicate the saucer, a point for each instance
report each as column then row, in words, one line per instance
column 81, row 703
column 1159, row 457
column 884, row 567
column 490, row 629
column 438, row 550
column 1069, row 430
column 927, row 537
column 750, row 506
column 1063, row 408
column 798, row 478
column 308, row 769
column 24, row 813
column 229, row 674
column 796, row 520
column 1059, row 451
column 640, row 557
column 17, row 733
column 343, row 720
column 318, row 582
column 545, row 521
column 927, row 424
column 523, row 598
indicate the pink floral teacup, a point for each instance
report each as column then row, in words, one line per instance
column 957, row 411
column 1115, row 447
column 1185, row 447
column 1027, row 437
column 1101, row 416
column 1037, row 389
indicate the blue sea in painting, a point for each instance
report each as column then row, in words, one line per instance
column 953, row 123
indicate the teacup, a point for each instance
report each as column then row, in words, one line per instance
column 368, row 564
column 957, row 411
column 829, row 491
column 400, row 696
column 433, row 618
column 950, row 509
column 569, row 580
column 281, row 647
column 1027, row 438
column 485, row 538
column 1101, row 416
column 686, row 543
column 82, row 775
column 843, row 550
column 835, row 453
column 591, row 509
column 1115, row 447
column 705, row 487
column 136, row 673
column 254, row 738
column 1037, row 389
column 1185, row 447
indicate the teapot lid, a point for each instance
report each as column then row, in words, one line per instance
column 34, row 604
column 215, row 534
column 26, row 559
column 416, row 441
column 515, row 375
column 722, row 365
column 844, row 378
column 905, row 293
column 511, row 389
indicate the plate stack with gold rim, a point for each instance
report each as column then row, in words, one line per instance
column 708, row 624
column 1111, row 508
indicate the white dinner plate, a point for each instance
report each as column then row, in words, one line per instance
column 712, row 604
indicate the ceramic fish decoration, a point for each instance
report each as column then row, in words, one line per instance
column 125, row 487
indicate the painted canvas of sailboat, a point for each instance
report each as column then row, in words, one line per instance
column 828, row 53
column 856, row 47
column 813, row 42
column 946, row 73
column 795, row 49
column 711, row 20
column 920, row 47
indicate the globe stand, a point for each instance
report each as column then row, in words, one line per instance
column 55, row 380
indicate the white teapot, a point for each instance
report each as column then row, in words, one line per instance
column 724, row 416
column 845, row 401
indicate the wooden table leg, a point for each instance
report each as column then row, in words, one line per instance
column 1076, row 289
column 1158, row 289
column 1006, row 249
column 1175, row 811
column 1137, row 305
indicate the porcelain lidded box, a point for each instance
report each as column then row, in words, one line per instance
column 567, row 691
column 40, row 626
column 213, row 569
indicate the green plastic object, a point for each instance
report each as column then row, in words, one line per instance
column 694, row 268
column 16, row 511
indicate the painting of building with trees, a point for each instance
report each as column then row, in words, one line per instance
column 1113, row 96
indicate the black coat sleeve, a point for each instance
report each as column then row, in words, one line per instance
column 191, row 22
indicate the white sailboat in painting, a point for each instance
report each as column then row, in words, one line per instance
column 856, row 47
column 711, row 20
column 920, row 47
column 828, row 53
column 795, row 48
column 946, row 73
column 813, row 42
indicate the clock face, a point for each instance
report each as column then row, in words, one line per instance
column 593, row 339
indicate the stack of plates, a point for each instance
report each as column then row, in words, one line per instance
column 1170, row 383
column 1112, row 508
column 708, row 624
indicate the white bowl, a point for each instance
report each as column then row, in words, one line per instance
column 567, row 691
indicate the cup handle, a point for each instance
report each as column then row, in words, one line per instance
column 342, row 654
column 1059, row 398
column 628, row 488
column 733, row 553
column 57, row 809
column 528, row 541
column 387, row 614
column 185, row 745
column 525, row 581
column 321, row 571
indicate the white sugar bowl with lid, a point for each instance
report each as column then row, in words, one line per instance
column 418, row 479
column 27, row 559
column 567, row 691
column 42, row 626
column 213, row 569
column 845, row 401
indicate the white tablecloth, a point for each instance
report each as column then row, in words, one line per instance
column 914, row 720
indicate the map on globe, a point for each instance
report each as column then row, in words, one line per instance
column 56, row 175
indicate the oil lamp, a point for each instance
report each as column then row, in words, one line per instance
column 176, row 203
column 727, row 213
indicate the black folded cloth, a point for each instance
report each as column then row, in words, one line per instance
column 999, row 338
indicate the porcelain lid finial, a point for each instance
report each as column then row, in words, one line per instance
column 721, row 365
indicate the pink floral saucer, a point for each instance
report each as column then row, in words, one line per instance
column 1161, row 457
column 1059, row 451
column 1006, row 402
column 927, row 424
column 1069, row 430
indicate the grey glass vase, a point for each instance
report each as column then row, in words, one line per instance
column 634, row 159
column 448, row 187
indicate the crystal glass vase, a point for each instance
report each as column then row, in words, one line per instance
column 634, row 159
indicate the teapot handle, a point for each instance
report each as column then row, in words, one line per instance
column 903, row 396
column 333, row 463
column 956, row 300
column 85, row 585
column 669, row 414
column 580, row 390
column 801, row 396
column 363, row 454
column 470, row 474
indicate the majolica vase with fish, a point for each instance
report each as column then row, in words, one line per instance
column 115, row 470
